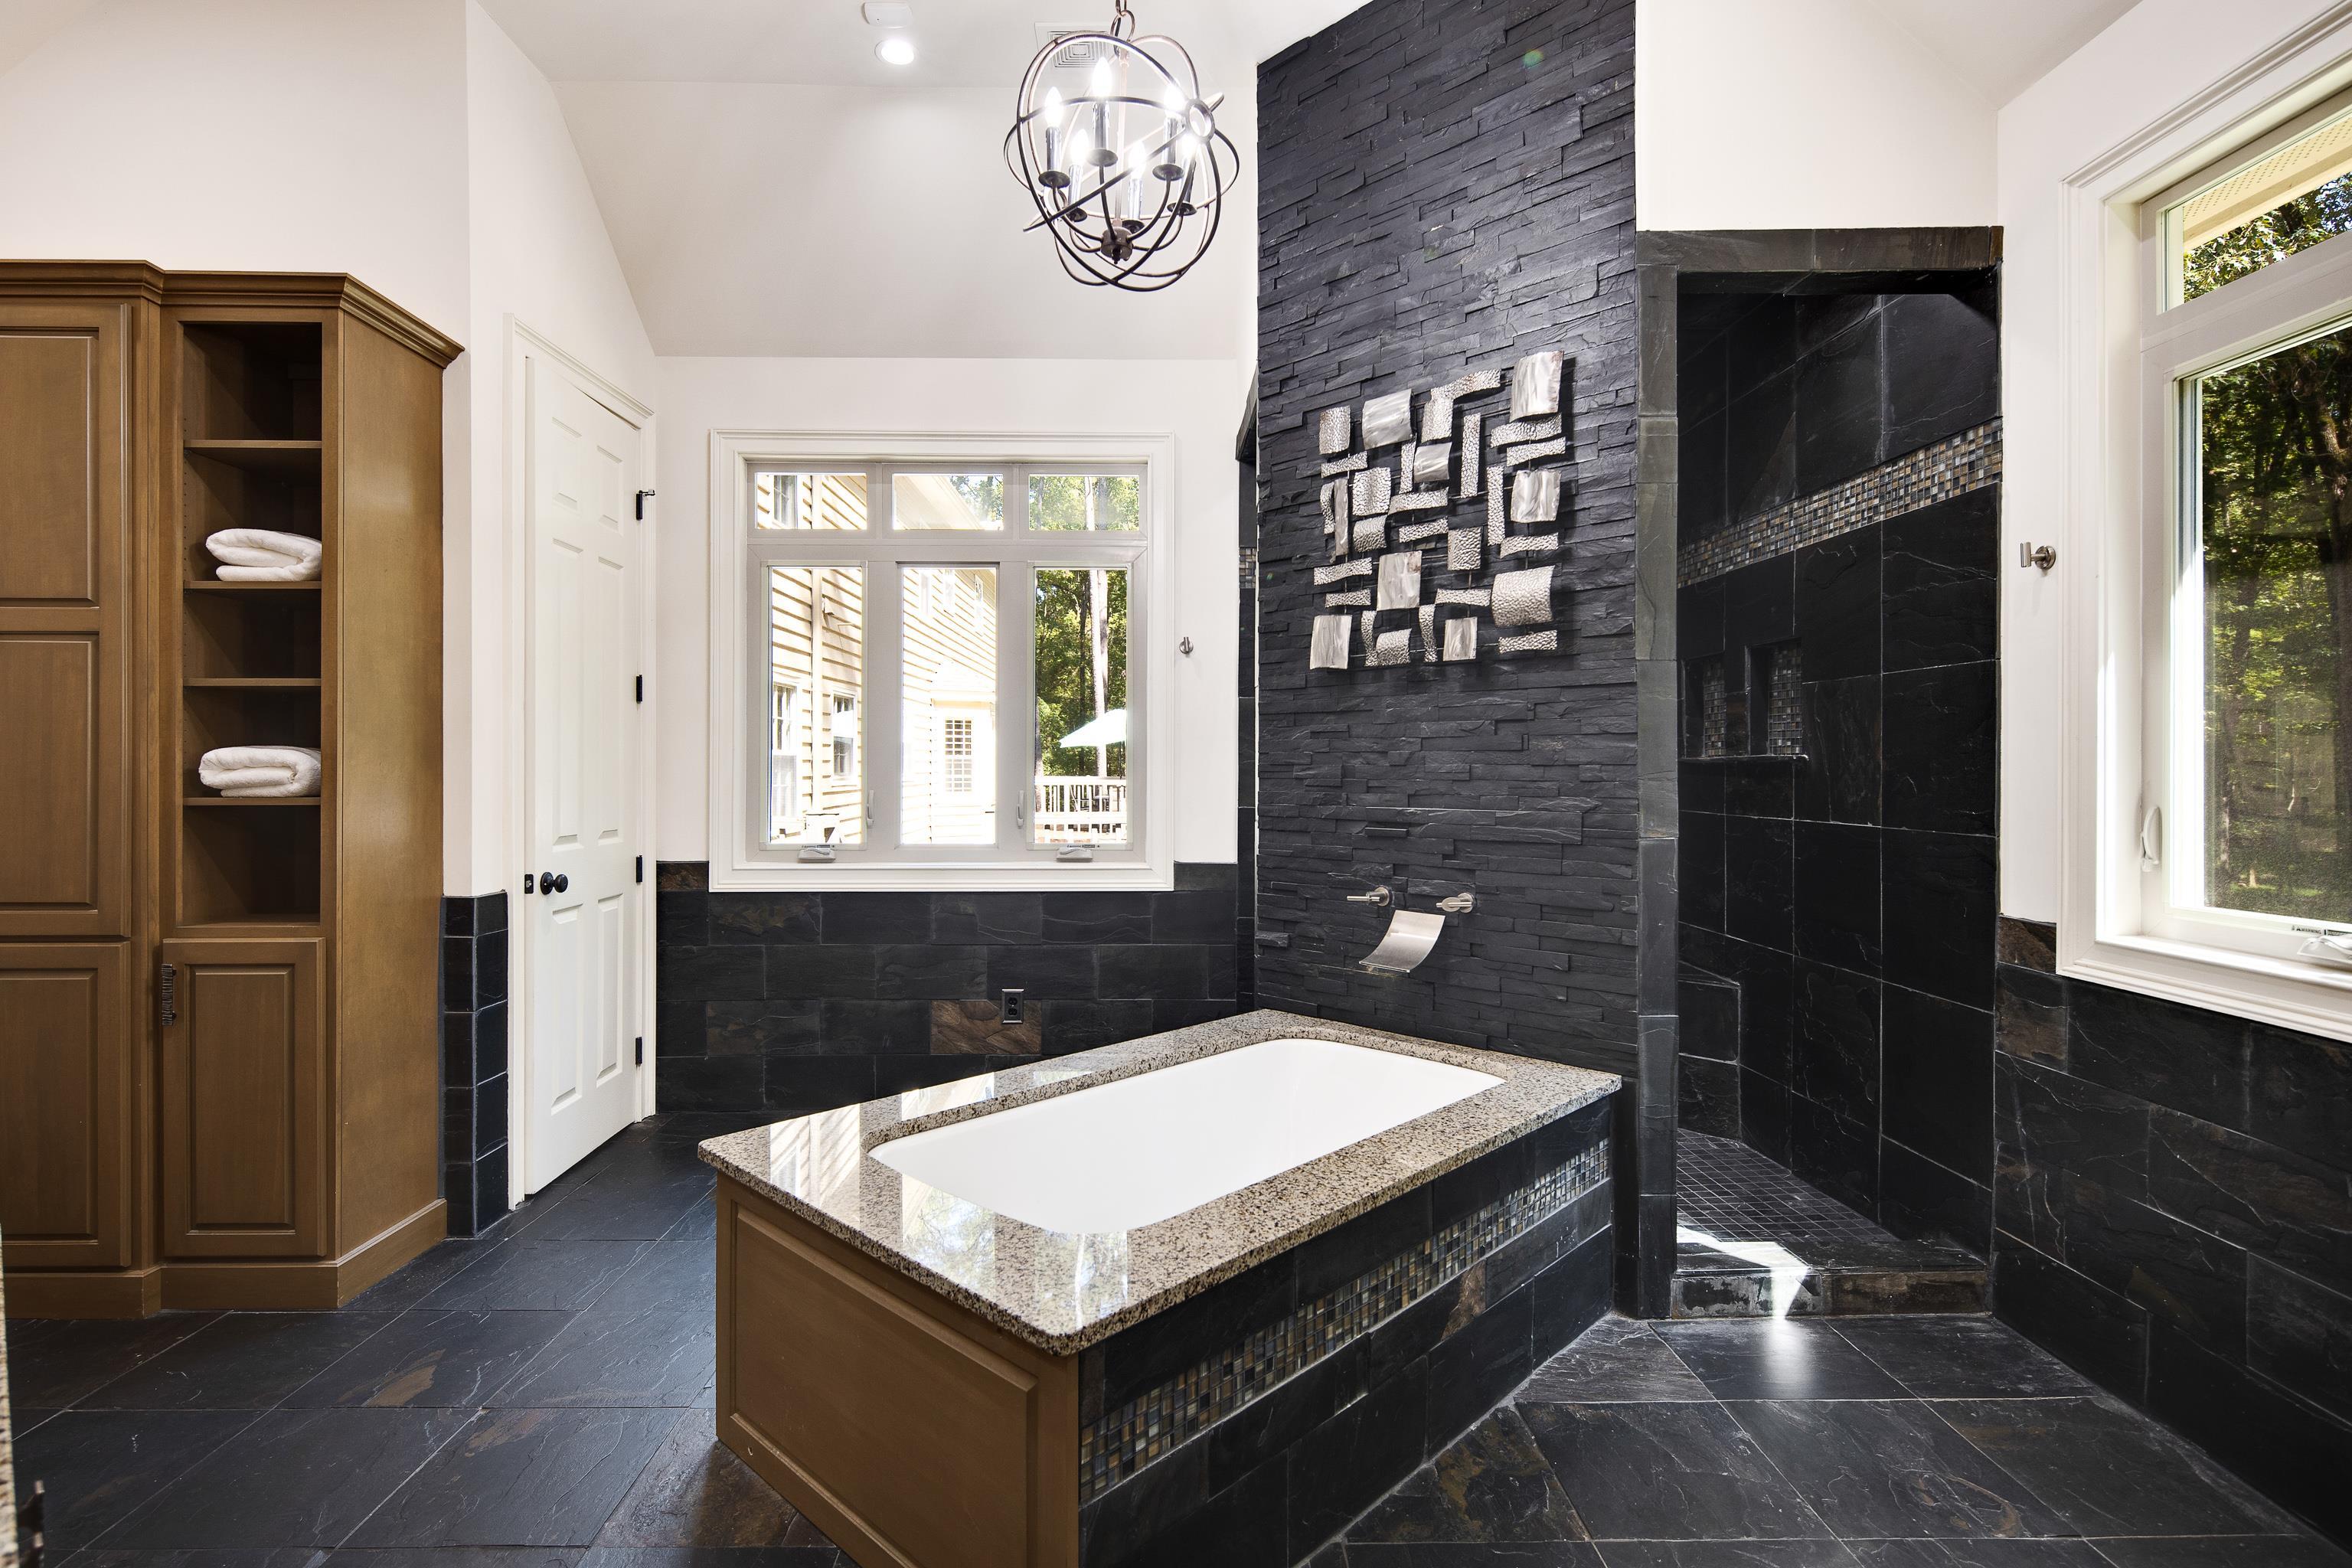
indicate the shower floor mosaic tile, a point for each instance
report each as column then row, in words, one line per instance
column 1754, row 1240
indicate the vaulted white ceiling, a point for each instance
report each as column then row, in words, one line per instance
column 2002, row 46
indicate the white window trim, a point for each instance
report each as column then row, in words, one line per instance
column 2117, row 561
column 738, row 865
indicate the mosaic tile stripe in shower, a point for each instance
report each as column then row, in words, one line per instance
column 1967, row 461
column 1118, row 1443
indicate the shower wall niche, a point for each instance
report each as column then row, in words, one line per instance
column 1839, row 521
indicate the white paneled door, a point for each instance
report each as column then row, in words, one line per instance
column 585, row 747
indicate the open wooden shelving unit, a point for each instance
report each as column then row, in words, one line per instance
column 259, row 1059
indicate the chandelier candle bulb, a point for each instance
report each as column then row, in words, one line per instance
column 1054, row 176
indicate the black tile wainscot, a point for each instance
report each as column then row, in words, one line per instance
column 2173, row 1214
column 1837, row 621
column 1247, row 1426
column 474, row 1061
column 792, row 1003
column 1445, row 186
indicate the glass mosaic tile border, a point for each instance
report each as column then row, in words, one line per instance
column 1784, row 714
column 1118, row 1443
column 1953, row 466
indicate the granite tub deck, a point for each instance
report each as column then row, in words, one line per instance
column 935, row 1383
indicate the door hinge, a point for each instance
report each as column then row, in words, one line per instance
column 641, row 689
column 641, row 867
column 641, row 1051
column 641, row 504
column 167, row 995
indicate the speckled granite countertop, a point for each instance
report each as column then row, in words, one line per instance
column 1065, row 1292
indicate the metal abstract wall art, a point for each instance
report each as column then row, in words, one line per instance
column 1479, row 463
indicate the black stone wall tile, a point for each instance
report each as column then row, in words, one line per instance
column 1700, row 883
column 1938, row 1080
column 1839, row 397
column 2293, row 1211
column 1179, row 1013
column 857, row 1026
column 1759, row 786
column 929, row 973
column 2185, row 1058
column 1140, row 1358
column 682, row 919
column 1204, row 916
column 1478, row 1366
column 2055, row 1123
column 1824, row 316
column 1922, row 1201
column 1834, row 1055
column 1080, row 1026
column 1836, row 1155
column 681, row 875
column 1045, row 973
column 1837, row 778
column 489, row 1042
column 1764, row 1115
column 1706, row 1097
column 1759, row 344
column 1939, row 918
column 1836, row 586
column 489, row 913
column 877, row 918
column 798, row 1085
column 759, row 1028
column 2296, row 1453
column 680, row 1030
column 767, row 918
column 1837, row 903
column 801, row 971
column 2091, row 1329
column 456, row 917
column 1941, row 579
column 1208, row 876
column 988, row 918
column 2029, row 944
column 708, row 1083
column 1943, row 366
column 1699, row 619
column 1341, row 1468
column 1939, row 745
column 1349, row 1251
column 701, row 974
column 1760, row 448
column 1709, row 1011
column 1759, row 880
column 489, row 1116
column 2185, row 1278
column 457, row 1049
column 2030, row 1017
column 1759, row 610
column 489, row 968
column 457, row 974
column 1122, row 1523
column 1099, row 918
column 1573, row 1294
column 2299, row 1093
column 1701, row 459
column 1153, row 972
column 2299, row 1335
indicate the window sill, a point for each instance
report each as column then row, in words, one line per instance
column 962, row 877
column 2284, row 992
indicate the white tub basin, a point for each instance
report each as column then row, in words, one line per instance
column 1126, row 1155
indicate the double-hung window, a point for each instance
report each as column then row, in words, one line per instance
column 2243, row 832
column 945, row 653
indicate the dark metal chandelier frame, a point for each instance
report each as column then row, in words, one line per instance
column 1127, row 208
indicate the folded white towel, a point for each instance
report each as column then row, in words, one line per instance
column 263, row 555
column 266, row 771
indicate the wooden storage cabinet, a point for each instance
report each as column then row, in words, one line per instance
column 261, row 1128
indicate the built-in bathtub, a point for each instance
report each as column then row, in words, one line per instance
column 1196, row 1297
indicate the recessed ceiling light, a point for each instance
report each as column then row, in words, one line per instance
column 897, row 49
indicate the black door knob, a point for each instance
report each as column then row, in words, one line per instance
column 550, row 882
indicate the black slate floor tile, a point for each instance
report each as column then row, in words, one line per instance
column 52, row 1364
column 449, row 1557
column 98, row 1465
column 1890, row 1468
column 242, row 1361
column 1961, row 1357
column 637, row 1200
column 1977, row 1555
column 434, row 1359
column 2103, row 1469
column 1455, row 1554
column 426, row 1274
column 1725, row 1554
column 293, row 1478
column 1492, row 1485
column 533, row 1477
column 210, row 1557
column 1667, row 1471
column 2223, row 1552
column 1777, row 1359
column 696, row 1492
column 1617, row 1361
column 516, row 1275
column 715, row 1557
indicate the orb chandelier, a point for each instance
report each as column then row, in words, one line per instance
column 1129, row 174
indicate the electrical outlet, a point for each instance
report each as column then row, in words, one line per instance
column 1008, row 1010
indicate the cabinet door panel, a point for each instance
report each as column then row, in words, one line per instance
column 65, row 466
column 242, row 1107
column 65, row 1093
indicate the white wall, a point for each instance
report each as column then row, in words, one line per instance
column 2154, row 60
column 538, row 253
column 276, row 135
column 1194, row 400
column 1801, row 114
column 843, row 222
